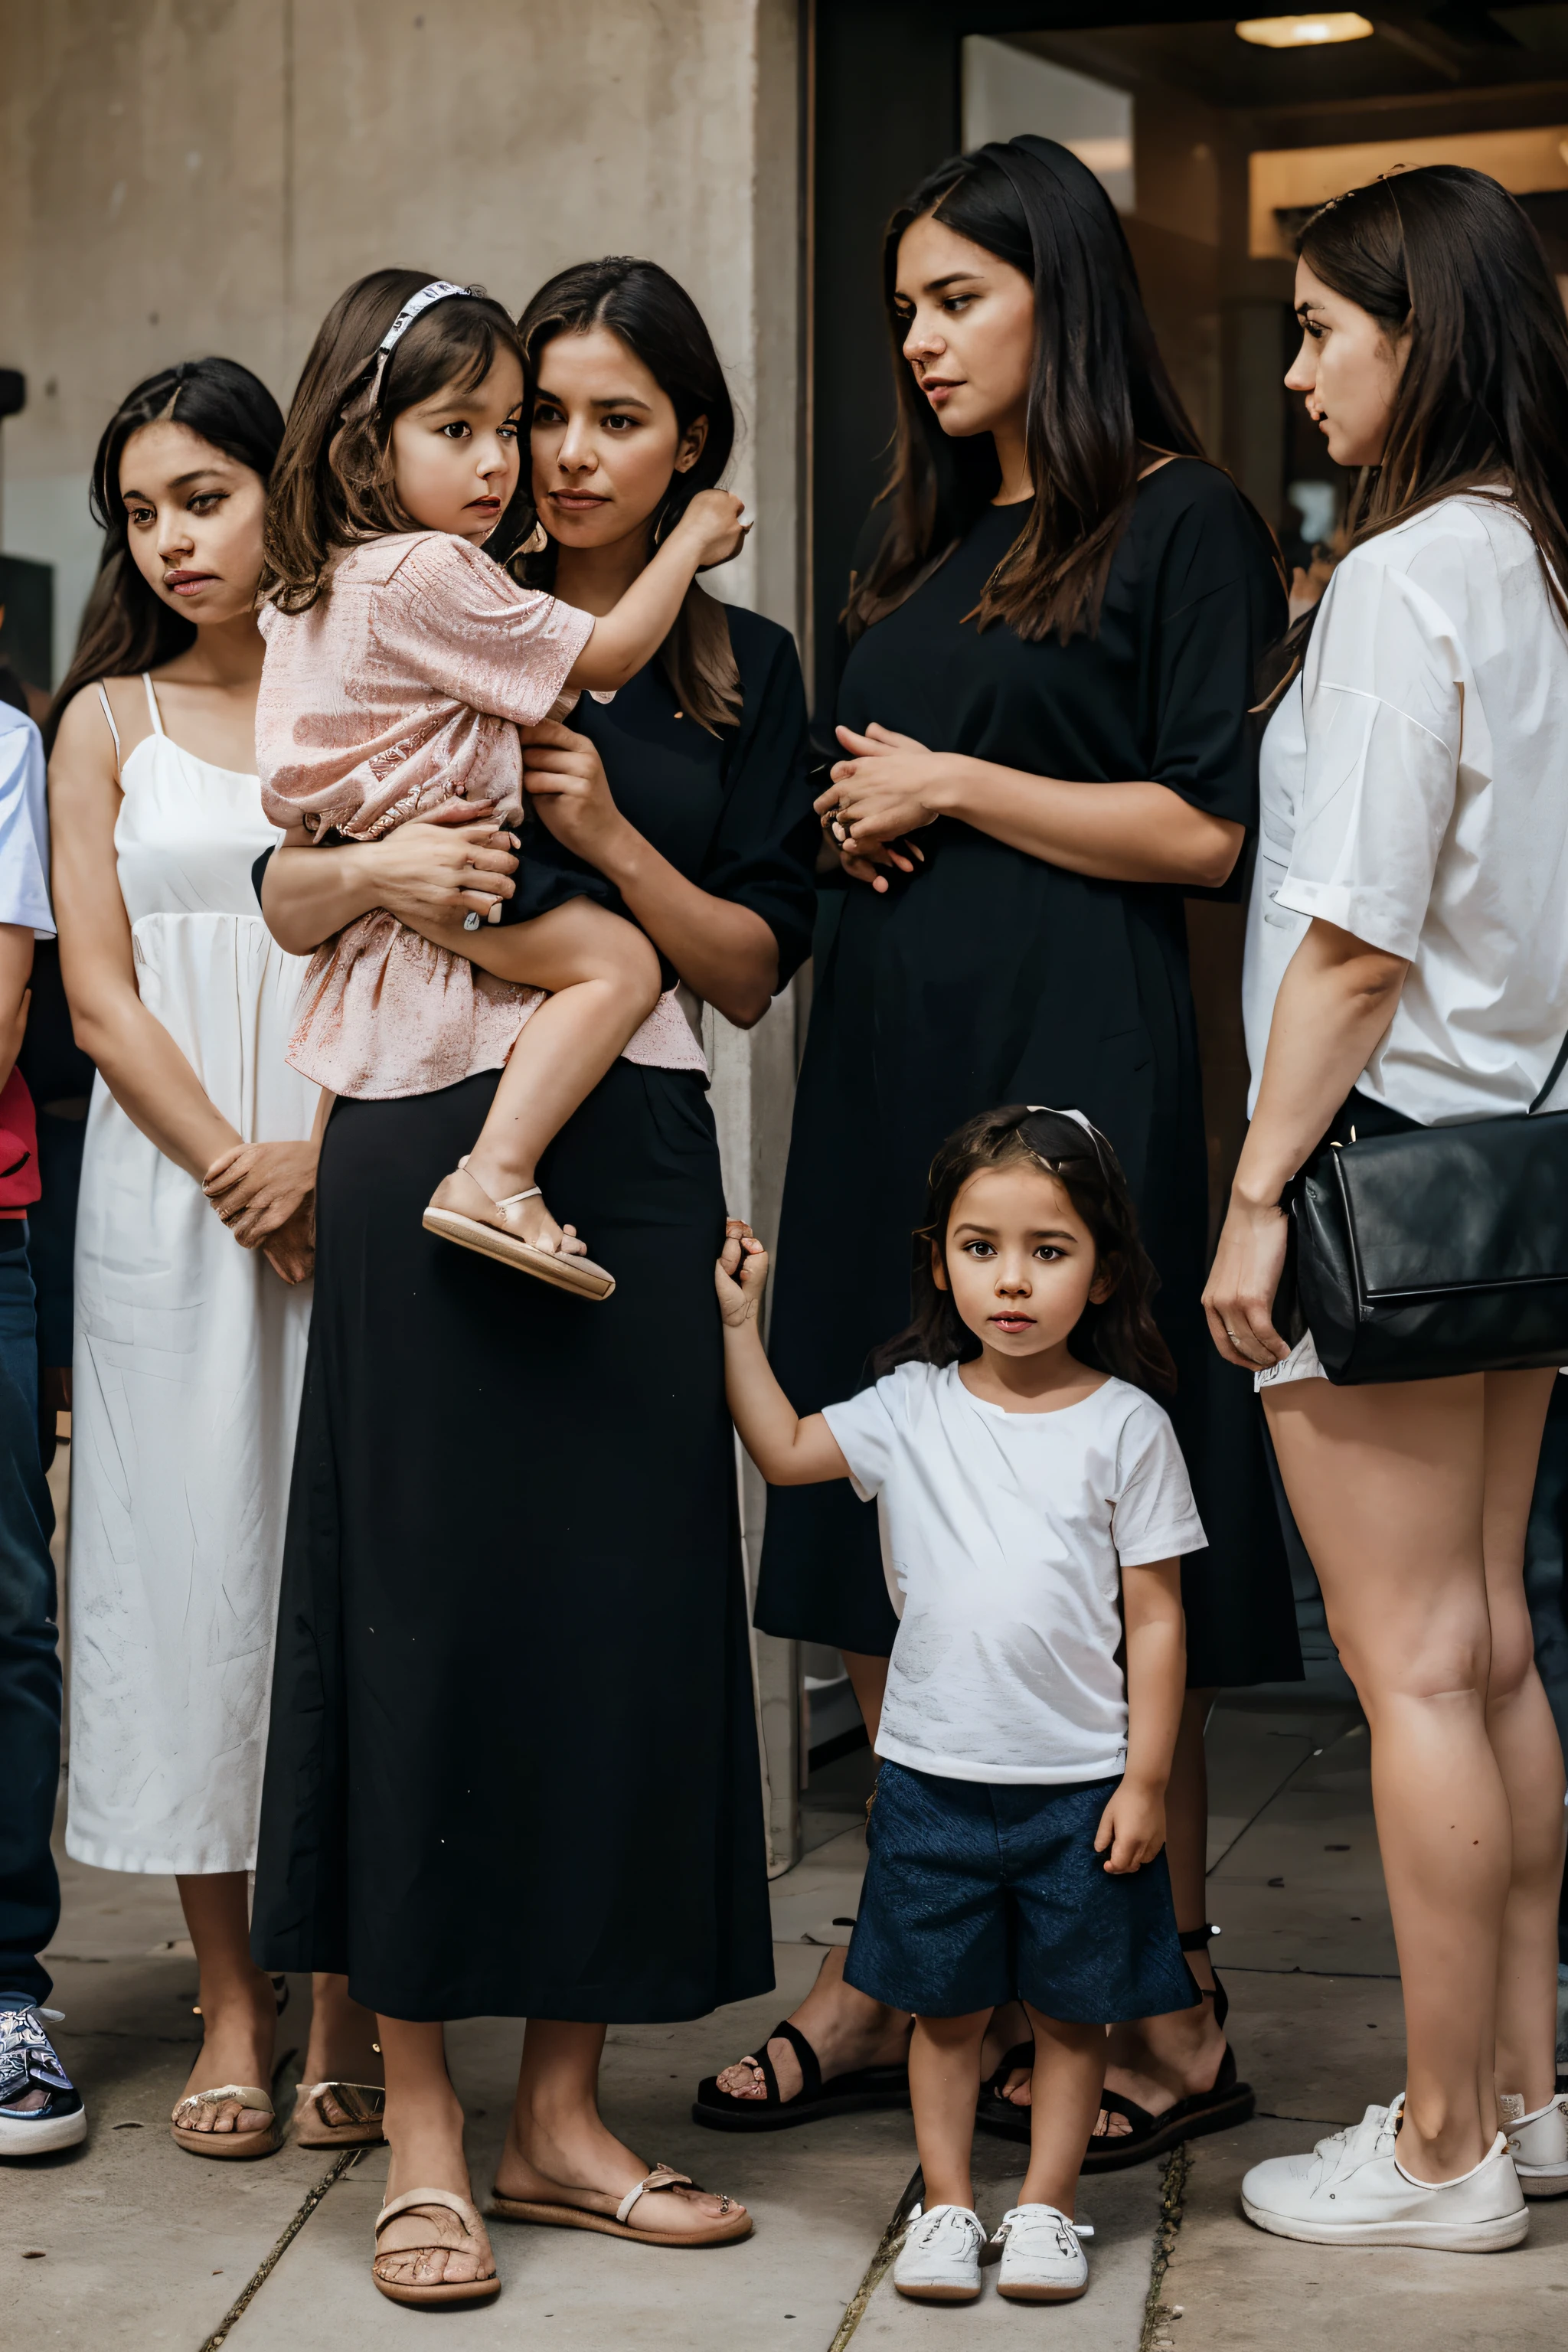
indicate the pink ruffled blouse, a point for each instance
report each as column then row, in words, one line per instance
column 403, row 687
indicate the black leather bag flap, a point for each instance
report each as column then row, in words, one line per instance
column 1475, row 1207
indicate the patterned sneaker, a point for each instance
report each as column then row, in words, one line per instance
column 28, row 2063
column 1538, row 2144
column 1351, row 2191
column 1042, row 2261
column 940, row 2260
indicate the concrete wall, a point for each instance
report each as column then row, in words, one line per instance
column 180, row 177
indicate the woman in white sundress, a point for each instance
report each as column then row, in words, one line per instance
column 194, row 1234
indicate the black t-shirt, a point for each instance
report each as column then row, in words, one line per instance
column 732, row 811
column 1162, row 690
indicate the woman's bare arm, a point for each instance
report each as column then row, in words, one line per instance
column 427, row 873
column 1335, row 1002
column 141, row 1065
column 726, row 953
column 889, row 786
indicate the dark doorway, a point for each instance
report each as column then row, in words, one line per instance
column 888, row 102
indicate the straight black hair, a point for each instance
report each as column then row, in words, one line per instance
column 1444, row 256
column 1100, row 400
column 1118, row 1335
column 657, row 320
column 127, row 626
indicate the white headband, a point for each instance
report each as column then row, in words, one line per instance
column 439, row 290
column 1078, row 1119
column 1075, row 1115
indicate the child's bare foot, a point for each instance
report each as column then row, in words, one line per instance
column 518, row 1229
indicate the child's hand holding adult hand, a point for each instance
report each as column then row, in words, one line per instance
column 1132, row 1828
column 741, row 1273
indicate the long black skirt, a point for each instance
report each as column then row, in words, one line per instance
column 512, row 1767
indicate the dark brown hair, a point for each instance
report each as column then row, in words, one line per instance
column 652, row 313
column 332, row 484
column 127, row 626
column 1119, row 1336
column 1444, row 254
column 1099, row 398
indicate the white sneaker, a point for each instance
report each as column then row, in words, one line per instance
column 29, row 2064
column 940, row 2260
column 1042, row 2261
column 1351, row 2191
column 1538, row 2144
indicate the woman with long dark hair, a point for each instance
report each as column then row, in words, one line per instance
column 1055, row 627
column 513, row 1765
column 1407, row 967
column 194, row 1226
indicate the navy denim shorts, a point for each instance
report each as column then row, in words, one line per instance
column 979, row 1892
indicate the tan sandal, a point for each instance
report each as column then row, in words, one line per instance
column 614, row 2221
column 480, row 2290
column 461, row 1211
column 362, row 2105
column 231, row 2143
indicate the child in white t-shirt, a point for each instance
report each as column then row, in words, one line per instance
column 1034, row 1507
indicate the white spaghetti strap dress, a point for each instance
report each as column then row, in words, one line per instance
column 190, row 1353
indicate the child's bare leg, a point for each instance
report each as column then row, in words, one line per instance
column 944, row 2083
column 1069, row 2072
column 602, row 977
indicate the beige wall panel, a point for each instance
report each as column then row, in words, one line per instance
column 183, row 177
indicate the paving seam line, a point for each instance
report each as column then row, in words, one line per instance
column 1256, row 1816
column 264, row 2269
column 888, row 2246
column 1172, row 2191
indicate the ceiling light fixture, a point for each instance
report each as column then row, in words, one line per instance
column 1303, row 32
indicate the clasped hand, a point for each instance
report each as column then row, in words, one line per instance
column 885, row 791
column 265, row 1194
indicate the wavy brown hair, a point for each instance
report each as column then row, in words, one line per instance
column 1445, row 257
column 1119, row 1335
column 654, row 316
column 333, row 481
column 1100, row 401
column 127, row 626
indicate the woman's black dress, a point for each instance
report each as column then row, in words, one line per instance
column 512, row 1767
column 991, row 977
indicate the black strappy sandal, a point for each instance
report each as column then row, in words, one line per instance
column 1221, row 2107
column 841, row 2094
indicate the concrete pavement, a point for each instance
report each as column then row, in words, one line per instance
column 127, row 2242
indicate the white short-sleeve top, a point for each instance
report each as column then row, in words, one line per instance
column 1415, row 792
column 1005, row 1537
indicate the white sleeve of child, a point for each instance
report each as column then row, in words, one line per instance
column 865, row 1431
column 1152, row 1514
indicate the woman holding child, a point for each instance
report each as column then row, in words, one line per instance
column 495, row 1473
column 1055, row 632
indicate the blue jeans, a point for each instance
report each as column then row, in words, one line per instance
column 29, row 1652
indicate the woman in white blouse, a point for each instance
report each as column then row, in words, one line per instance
column 1407, row 964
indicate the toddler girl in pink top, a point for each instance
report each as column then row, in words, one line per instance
column 401, row 660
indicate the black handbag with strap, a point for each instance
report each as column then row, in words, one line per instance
column 1436, row 1250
